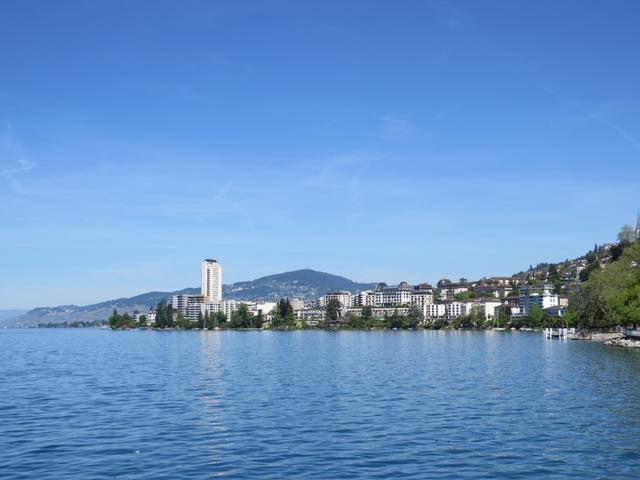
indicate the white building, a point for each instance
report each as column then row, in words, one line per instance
column 211, row 281
column 445, row 310
column 312, row 316
column 454, row 310
column 422, row 295
column 266, row 308
column 386, row 296
column 150, row 316
column 229, row 306
column 211, row 308
column 345, row 299
column 485, row 308
column 449, row 292
column 188, row 305
column 540, row 296
column 364, row 299
column 435, row 311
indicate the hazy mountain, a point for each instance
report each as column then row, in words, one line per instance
column 306, row 284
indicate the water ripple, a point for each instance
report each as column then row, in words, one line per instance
column 79, row 404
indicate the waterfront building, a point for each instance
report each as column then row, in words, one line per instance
column 190, row 306
column 211, row 280
column 150, row 316
column 211, row 308
column 364, row 299
column 345, row 298
column 484, row 308
column 312, row 316
column 555, row 311
column 422, row 295
column 386, row 296
column 454, row 310
column 435, row 311
column 382, row 312
column 541, row 296
column 229, row 306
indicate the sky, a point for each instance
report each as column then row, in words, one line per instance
column 382, row 141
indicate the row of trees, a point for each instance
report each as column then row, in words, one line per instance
column 122, row 321
column 282, row 315
column 536, row 318
column 414, row 319
column 167, row 317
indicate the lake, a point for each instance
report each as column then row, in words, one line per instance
column 88, row 403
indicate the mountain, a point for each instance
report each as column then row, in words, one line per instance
column 306, row 284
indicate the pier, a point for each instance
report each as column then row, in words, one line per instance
column 559, row 333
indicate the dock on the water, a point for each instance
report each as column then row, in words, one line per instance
column 560, row 333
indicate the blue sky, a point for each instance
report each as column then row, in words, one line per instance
column 383, row 141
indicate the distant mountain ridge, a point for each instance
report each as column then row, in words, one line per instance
column 305, row 284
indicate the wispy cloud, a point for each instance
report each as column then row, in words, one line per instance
column 338, row 172
column 450, row 15
column 14, row 162
column 590, row 114
column 397, row 127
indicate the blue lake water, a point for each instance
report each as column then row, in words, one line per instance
column 77, row 404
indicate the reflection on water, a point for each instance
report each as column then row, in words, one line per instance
column 81, row 404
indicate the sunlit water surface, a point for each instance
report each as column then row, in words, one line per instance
column 77, row 404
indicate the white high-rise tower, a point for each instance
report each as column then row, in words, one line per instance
column 211, row 281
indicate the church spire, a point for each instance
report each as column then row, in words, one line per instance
column 638, row 226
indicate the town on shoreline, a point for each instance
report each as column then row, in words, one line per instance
column 597, row 292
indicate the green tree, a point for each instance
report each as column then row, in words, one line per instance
column 535, row 316
column 616, row 251
column 284, row 307
column 414, row 317
column 610, row 297
column 258, row 320
column 502, row 316
column 164, row 315
column 626, row 235
column 333, row 311
column 396, row 321
column 121, row 321
column 115, row 320
column 241, row 318
column 183, row 323
column 464, row 296
column 218, row 320
column 557, row 286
